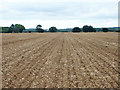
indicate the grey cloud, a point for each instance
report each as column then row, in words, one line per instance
column 58, row 11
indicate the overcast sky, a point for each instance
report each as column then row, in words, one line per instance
column 62, row 13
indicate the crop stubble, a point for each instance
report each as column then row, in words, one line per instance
column 60, row 60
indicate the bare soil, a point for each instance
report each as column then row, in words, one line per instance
column 60, row 60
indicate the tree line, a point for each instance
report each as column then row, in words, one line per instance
column 40, row 30
column 85, row 28
column 18, row 28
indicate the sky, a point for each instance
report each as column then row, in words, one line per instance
column 59, row 13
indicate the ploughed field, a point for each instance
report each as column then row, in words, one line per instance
column 60, row 60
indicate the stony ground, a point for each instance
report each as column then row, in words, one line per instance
column 65, row 60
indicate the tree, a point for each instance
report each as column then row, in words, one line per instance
column 21, row 28
column 53, row 29
column 91, row 29
column 87, row 28
column 11, row 28
column 76, row 29
column 18, row 28
column 39, row 29
column 105, row 29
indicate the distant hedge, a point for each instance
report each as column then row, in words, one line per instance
column 4, row 29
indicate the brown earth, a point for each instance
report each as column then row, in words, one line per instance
column 60, row 60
